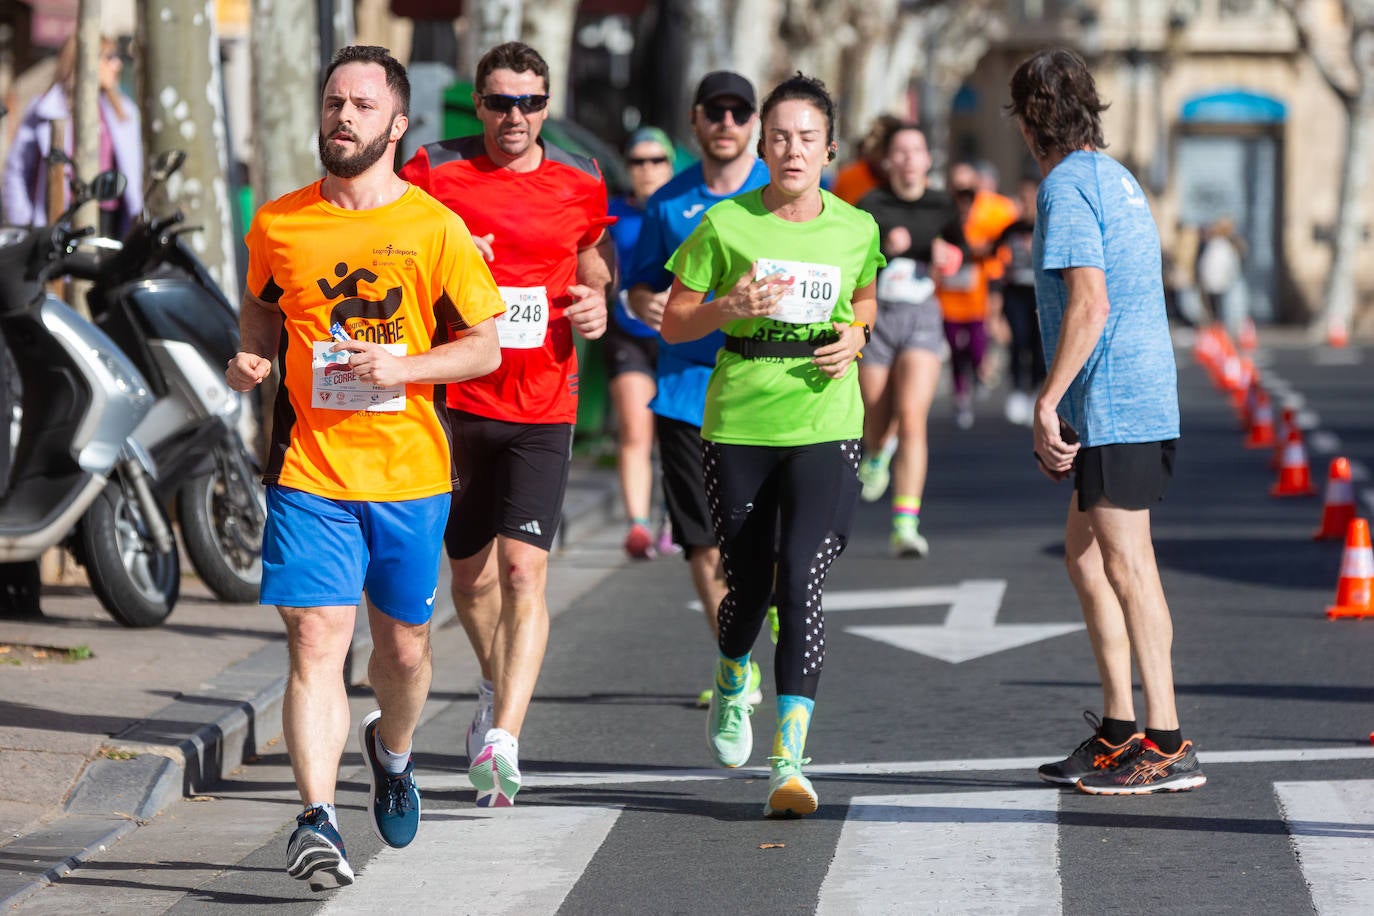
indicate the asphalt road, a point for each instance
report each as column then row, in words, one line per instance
column 947, row 680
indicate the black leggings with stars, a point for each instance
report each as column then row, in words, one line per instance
column 785, row 510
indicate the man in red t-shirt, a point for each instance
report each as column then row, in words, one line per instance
column 538, row 214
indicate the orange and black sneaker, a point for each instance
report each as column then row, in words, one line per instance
column 1092, row 756
column 1150, row 770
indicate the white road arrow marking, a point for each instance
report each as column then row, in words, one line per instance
column 970, row 629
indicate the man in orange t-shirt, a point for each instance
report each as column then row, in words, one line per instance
column 371, row 294
column 965, row 294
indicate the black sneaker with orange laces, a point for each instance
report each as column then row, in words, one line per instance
column 1092, row 756
column 1149, row 770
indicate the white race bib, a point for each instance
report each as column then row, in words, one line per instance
column 812, row 290
column 526, row 319
column 904, row 282
column 335, row 386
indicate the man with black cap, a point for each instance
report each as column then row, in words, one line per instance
column 723, row 120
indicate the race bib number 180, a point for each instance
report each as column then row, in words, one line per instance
column 812, row 290
column 526, row 319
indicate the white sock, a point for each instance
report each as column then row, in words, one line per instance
column 501, row 736
column 890, row 446
column 485, row 687
column 394, row 764
column 328, row 810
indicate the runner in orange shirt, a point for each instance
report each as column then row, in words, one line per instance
column 371, row 294
column 964, row 295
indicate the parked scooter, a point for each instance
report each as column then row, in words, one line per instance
column 159, row 303
column 77, row 476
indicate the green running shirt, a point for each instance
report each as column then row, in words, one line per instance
column 772, row 401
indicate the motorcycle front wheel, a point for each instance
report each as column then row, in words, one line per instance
column 136, row 583
column 221, row 515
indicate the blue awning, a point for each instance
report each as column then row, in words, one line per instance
column 1235, row 107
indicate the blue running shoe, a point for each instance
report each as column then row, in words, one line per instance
column 395, row 803
column 495, row 774
column 315, row 852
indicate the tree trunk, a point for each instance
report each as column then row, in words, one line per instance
column 183, row 108
column 86, row 109
column 490, row 23
column 1338, row 307
column 548, row 28
column 286, row 106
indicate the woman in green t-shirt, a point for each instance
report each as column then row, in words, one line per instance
column 787, row 272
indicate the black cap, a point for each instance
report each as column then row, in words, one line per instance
column 724, row 82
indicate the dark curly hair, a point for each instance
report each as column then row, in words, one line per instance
column 396, row 79
column 802, row 88
column 1054, row 96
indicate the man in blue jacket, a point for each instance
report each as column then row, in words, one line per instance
column 723, row 120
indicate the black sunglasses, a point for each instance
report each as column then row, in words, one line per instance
column 634, row 161
column 715, row 112
column 504, row 103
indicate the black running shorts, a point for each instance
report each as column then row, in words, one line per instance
column 511, row 479
column 627, row 353
column 684, row 483
column 1130, row 475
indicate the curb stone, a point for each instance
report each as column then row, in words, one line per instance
column 194, row 742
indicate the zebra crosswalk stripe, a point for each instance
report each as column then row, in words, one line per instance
column 507, row 860
column 981, row 852
column 1332, row 829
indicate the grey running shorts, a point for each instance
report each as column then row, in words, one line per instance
column 902, row 326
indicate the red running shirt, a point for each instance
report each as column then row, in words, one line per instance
column 539, row 221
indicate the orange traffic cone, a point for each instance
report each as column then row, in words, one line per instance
column 1355, row 588
column 1295, row 477
column 1261, row 421
column 1340, row 502
column 1288, row 419
column 1239, row 387
column 1336, row 334
column 1247, row 339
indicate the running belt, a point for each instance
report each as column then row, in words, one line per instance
column 750, row 348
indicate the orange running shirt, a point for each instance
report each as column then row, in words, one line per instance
column 854, row 181
column 404, row 274
column 539, row 221
column 964, row 295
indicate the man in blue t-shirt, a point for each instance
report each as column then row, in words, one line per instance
column 1107, row 413
column 723, row 120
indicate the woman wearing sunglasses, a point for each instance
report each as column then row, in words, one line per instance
column 631, row 346
column 792, row 270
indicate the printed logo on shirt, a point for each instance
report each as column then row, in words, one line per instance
column 693, row 210
column 354, row 306
column 1130, row 193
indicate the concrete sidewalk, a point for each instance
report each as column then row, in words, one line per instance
column 102, row 727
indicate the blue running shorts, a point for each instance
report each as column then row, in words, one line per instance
column 320, row 552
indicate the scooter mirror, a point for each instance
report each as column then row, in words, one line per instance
column 108, row 185
column 167, row 163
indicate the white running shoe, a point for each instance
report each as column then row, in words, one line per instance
column 495, row 772
column 481, row 720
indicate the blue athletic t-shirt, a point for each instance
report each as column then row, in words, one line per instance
column 684, row 369
column 625, row 232
column 1090, row 212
